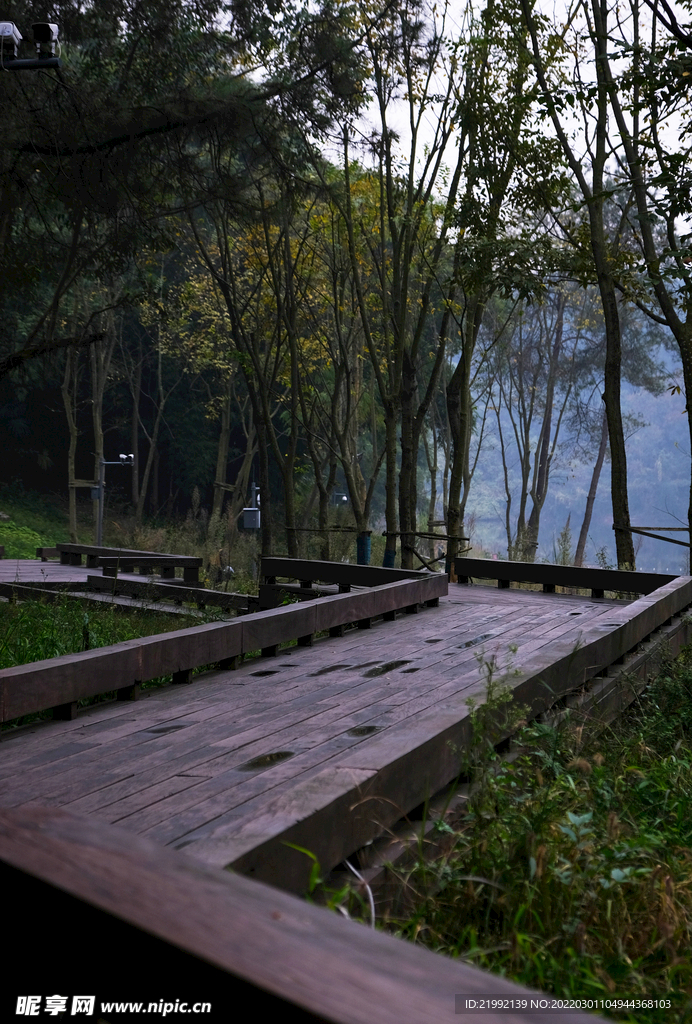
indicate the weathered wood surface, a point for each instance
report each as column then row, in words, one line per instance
column 94, row 551
column 50, row 593
column 336, row 572
column 113, row 559
column 60, row 682
column 613, row 580
column 178, row 591
column 44, row 576
column 203, row 935
column 30, row 570
column 182, row 768
column 165, row 566
column 45, row 553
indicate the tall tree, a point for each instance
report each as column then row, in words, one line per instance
column 558, row 96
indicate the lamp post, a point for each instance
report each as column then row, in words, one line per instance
column 124, row 460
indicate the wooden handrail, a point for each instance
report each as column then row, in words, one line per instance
column 199, row 934
column 550, row 576
column 177, row 590
column 345, row 573
column 59, row 683
column 96, row 549
column 71, row 554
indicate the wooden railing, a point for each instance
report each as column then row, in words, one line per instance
column 176, row 591
column 308, row 571
column 47, row 553
column 150, row 924
column 550, row 576
column 114, row 560
column 59, row 683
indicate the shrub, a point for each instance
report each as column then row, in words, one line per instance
column 19, row 541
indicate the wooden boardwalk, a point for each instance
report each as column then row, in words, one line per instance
column 324, row 747
column 32, row 570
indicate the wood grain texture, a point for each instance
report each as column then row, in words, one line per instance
column 206, row 928
column 59, row 681
column 322, row 746
column 560, row 575
column 336, row 572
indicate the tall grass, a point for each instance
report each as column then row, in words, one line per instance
column 33, row 631
column 571, row 872
column 34, row 521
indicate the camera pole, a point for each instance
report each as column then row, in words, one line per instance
column 124, row 460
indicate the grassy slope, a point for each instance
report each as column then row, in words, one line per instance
column 572, row 873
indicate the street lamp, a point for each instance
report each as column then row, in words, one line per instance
column 98, row 492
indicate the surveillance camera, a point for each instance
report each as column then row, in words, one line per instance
column 45, row 37
column 10, row 38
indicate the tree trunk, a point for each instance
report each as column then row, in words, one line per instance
column 409, row 463
column 591, row 497
column 618, row 457
column 153, row 443
column 136, row 387
column 602, row 261
column 540, row 489
column 100, row 354
column 460, row 417
column 265, row 495
column 389, row 558
column 69, row 397
column 432, row 502
column 222, row 454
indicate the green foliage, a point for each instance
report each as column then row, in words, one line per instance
column 19, row 541
column 572, row 871
column 34, row 630
column 40, row 514
column 562, row 550
column 602, row 558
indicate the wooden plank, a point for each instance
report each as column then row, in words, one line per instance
column 562, row 575
column 441, row 685
column 411, row 761
column 148, row 561
column 330, row 611
column 178, row 591
column 22, row 592
column 274, row 626
column 102, row 550
column 45, row 684
column 45, row 553
column 213, row 932
column 59, row 681
column 337, row 572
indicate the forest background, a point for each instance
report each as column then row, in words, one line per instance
column 409, row 268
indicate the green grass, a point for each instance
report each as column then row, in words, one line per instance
column 572, row 870
column 35, row 521
column 34, row 631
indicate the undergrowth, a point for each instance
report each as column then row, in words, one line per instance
column 571, row 871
